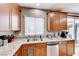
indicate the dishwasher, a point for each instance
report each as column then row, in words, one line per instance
column 52, row 49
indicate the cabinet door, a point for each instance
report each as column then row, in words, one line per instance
column 63, row 49
column 15, row 18
column 63, row 21
column 28, row 50
column 41, row 49
column 4, row 17
column 70, row 48
column 53, row 21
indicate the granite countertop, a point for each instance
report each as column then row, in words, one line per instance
column 11, row 48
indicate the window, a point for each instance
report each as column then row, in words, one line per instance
column 34, row 25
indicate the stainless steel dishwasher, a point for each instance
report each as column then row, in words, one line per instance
column 52, row 49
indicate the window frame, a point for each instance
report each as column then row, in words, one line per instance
column 35, row 31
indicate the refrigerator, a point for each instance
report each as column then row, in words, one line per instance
column 73, row 28
column 77, row 31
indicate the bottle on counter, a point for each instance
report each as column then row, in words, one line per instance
column 11, row 38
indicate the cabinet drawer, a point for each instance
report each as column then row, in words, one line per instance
column 63, row 42
column 41, row 45
column 25, row 46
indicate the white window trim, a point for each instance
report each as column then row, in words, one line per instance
column 26, row 34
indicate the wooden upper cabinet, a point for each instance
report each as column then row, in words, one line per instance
column 9, row 17
column 15, row 19
column 4, row 17
column 63, row 21
column 57, row 21
column 53, row 21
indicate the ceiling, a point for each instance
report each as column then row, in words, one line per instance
column 64, row 7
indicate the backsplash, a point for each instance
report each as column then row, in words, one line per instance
column 6, row 33
column 56, row 33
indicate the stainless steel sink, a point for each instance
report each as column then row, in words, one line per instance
column 33, row 39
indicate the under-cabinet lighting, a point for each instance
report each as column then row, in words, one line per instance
column 51, row 15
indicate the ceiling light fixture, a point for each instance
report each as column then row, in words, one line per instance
column 51, row 15
column 37, row 4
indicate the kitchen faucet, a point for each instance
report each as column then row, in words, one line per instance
column 28, row 39
column 41, row 38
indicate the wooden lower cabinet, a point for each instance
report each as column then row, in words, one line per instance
column 62, row 49
column 67, row 48
column 18, row 52
column 28, row 50
column 41, row 49
column 35, row 49
column 70, row 48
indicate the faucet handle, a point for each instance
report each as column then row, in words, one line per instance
column 41, row 38
column 27, row 40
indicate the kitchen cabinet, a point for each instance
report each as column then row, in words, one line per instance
column 4, row 17
column 63, row 21
column 41, row 49
column 18, row 52
column 28, row 50
column 9, row 17
column 62, row 49
column 57, row 21
column 67, row 48
column 53, row 21
column 38, row 49
column 15, row 19
column 70, row 48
